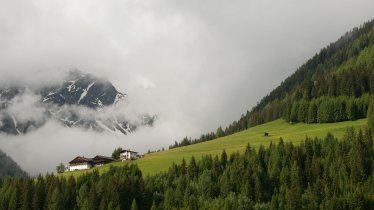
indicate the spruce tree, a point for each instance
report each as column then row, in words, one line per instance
column 351, row 110
column 183, row 168
column 303, row 111
column 192, row 168
column 220, row 132
column 223, row 158
column 370, row 115
column 14, row 200
column 38, row 196
column 26, row 194
column 93, row 198
column 294, row 112
column 312, row 112
column 134, row 205
column 56, row 202
column 154, row 206
column 82, row 198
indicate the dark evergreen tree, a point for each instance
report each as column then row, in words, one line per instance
column 220, row 132
column 192, row 170
column 134, row 205
column 312, row 112
column 82, row 197
column 371, row 116
column 56, row 202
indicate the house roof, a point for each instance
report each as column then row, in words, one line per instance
column 100, row 158
column 80, row 159
column 125, row 150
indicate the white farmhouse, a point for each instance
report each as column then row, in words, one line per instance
column 128, row 155
column 83, row 163
column 80, row 163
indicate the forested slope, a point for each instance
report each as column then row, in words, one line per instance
column 157, row 162
column 8, row 167
column 333, row 86
column 318, row 174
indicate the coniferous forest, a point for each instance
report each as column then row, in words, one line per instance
column 318, row 174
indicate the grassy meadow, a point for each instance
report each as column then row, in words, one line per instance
column 161, row 161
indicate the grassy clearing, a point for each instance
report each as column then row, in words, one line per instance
column 160, row 161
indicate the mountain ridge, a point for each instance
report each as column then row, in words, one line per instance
column 64, row 102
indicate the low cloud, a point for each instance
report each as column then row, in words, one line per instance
column 41, row 150
column 26, row 107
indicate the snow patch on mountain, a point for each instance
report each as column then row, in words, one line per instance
column 15, row 124
column 85, row 92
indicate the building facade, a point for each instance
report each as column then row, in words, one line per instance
column 83, row 163
column 80, row 163
column 128, row 155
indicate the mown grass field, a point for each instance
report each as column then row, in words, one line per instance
column 161, row 161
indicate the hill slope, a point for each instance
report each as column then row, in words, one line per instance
column 344, row 68
column 333, row 86
column 8, row 167
column 161, row 161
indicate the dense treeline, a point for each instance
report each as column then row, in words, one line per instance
column 318, row 110
column 318, row 174
column 188, row 141
column 344, row 68
column 370, row 115
column 115, row 189
column 8, row 167
column 348, row 83
column 327, row 109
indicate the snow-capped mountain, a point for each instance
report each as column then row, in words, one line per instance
column 82, row 89
column 78, row 100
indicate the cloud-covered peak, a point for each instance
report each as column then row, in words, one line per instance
column 80, row 100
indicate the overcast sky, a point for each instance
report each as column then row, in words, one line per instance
column 197, row 64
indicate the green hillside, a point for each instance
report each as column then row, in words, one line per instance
column 334, row 85
column 161, row 161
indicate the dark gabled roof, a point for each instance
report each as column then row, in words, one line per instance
column 80, row 159
column 100, row 158
column 126, row 150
